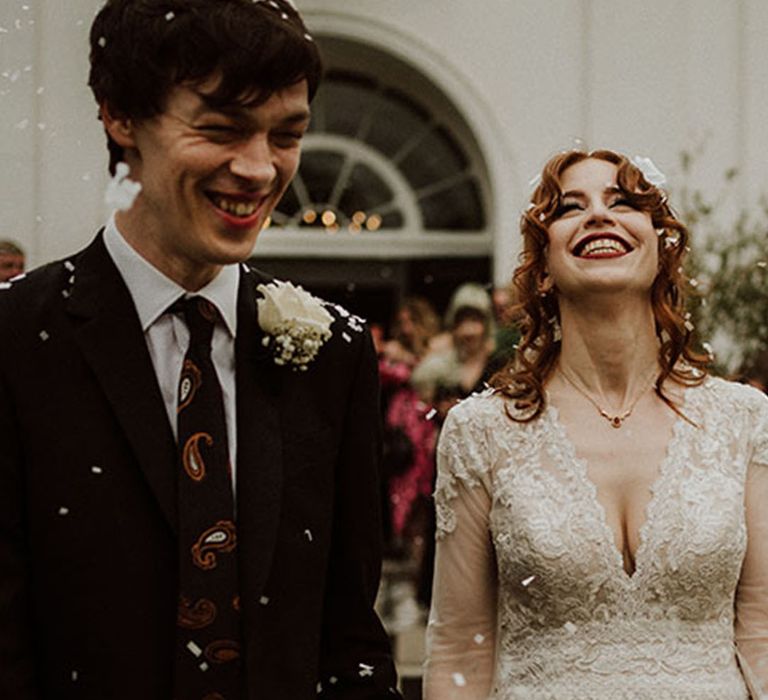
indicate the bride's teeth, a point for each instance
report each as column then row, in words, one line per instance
column 604, row 245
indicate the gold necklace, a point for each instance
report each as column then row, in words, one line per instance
column 618, row 419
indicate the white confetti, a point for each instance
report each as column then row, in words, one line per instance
column 333, row 680
column 196, row 650
column 170, row 15
column 40, row 90
column 763, row 264
column 5, row 285
column 308, row 534
column 23, row 124
column 347, row 337
column 365, row 670
column 102, row 42
column 74, row 676
column 41, row 126
column 63, row 510
column 570, row 628
column 69, row 265
column 264, row 600
column 204, row 666
column 459, row 680
column 479, row 638
column 431, row 414
column 96, row 469
column 121, row 190
column 65, row 293
column 527, row 581
column 44, row 335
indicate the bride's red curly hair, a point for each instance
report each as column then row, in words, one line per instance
column 523, row 378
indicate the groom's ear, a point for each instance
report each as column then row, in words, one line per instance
column 120, row 128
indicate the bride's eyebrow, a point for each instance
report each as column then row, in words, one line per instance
column 574, row 194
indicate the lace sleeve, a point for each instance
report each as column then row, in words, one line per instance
column 463, row 457
column 462, row 620
column 752, row 594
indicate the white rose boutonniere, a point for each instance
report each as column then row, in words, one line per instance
column 296, row 323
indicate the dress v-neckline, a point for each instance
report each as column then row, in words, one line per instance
column 580, row 468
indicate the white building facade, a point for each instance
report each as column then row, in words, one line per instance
column 436, row 116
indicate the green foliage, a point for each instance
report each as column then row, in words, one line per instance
column 728, row 270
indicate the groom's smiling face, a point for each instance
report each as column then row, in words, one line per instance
column 210, row 176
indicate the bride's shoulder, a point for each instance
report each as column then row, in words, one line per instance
column 726, row 393
column 488, row 407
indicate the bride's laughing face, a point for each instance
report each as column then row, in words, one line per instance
column 598, row 241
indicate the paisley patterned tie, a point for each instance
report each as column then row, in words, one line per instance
column 207, row 665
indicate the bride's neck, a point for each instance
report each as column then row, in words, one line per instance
column 608, row 349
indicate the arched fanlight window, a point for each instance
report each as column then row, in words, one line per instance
column 389, row 168
column 376, row 160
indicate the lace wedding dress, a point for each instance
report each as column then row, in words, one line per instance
column 531, row 598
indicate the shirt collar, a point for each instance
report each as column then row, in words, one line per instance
column 153, row 292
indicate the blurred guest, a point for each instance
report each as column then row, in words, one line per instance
column 416, row 323
column 470, row 294
column 463, row 363
column 408, row 436
column 11, row 260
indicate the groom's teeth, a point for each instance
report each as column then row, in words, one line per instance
column 236, row 208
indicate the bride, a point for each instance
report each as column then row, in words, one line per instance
column 603, row 509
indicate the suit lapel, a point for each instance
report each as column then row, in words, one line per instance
column 109, row 334
column 259, row 445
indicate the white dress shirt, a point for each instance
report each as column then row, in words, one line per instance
column 167, row 334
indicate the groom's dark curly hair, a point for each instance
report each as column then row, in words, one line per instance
column 140, row 49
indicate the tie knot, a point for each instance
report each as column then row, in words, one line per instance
column 201, row 317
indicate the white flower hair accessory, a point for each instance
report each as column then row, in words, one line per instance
column 296, row 323
column 649, row 170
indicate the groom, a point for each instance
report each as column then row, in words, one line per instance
column 181, row 516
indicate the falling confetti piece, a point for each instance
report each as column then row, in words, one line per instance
column 44, row 335
column 96, row 469
column 264, row 600
column 308, row 534
column 432, row 413
column 74, row 676
column 459, row 680
column 121, row 190
column 479, row 638
column 102, row 42
column 69, row 265
column 23, row 124
column 170, row 15
column 196, row 650
column 570, row 628
column 63, row 510
column 365, row 670
column 528, row 581
column 763, row 264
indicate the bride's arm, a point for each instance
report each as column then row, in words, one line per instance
column 461, row 630
column 752, row 594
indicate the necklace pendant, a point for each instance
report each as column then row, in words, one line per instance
column 616, row 422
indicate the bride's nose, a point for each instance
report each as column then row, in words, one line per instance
column 598, row 214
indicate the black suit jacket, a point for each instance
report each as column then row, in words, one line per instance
column 88, row 555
